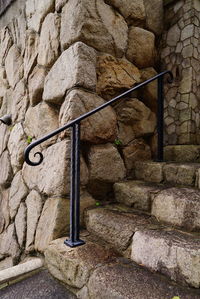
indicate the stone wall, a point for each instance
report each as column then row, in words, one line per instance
column 180, row 52
column 58, row 60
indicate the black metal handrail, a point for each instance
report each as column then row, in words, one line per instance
column 74, row 239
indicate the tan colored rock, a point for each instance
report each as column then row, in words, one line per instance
column 132, row 11
column 183, row 174
column 20, row 224
column 92, row 23
column 18, row 192
column 36, row 11
column 178, row 206
column 73, row 266
column 141, row 47
column 138, row 150
column 20, row 101
column 6, row 43
column 125, row 133
column 4, row 136
column 4, row 85
column 17, row 27
column 36, row 84
column 149, row 92
column 114, row 75
column 31, row 52
column 154, row 15
column 16, row 145
column 105, row 164
column 172, row 253
column 149, row 171
column 97, row 128
column 31, row 174
column 14, row 66
column 34, row 209
column 6, row 263
column 75, row 67
column 4, row 215
column 6, row 105
column 182, row 153
column 59, row 4
column 8, row 243
column 48, row 49
column 46, row 117
column 185, row 85
column 6, row 169
column 173, row 35
column 55, row 217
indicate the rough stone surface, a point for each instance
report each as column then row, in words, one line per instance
column 97, row 128
column 20, row 101
column 75, row 67
column 92, row 23
column 4, row 216
column 6, row 263
column 48, row 49
column 14, row 66
column 114, row 226
column 101, row 157
column 178, row 206
column 16, row 145
column 31, row 52
column 172, row 253
column 4, row 85
column 115, row 75
column 36, row 12
column 8, row 243
column 59, row 4
column 73, row 266
column 149, row 171
column 135, row 194
column 20, row 224
column 6, row 43
column 6, row 169
column 141, row 47
column 154, row 15
column 18, row 192
column 36, row 84
column 34, row 209
column 182, row 153
column 55, row 216
column 132, row 11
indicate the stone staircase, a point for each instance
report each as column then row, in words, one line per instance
column 144, row 245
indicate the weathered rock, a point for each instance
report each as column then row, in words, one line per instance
column 114, row 75
column 20, row 101
column 16, row 145
column 18, row 192
column 141, row 47
column 149, row 171
column 138, row 150
column 36, row 84
column 31, row 52
column 6, row 105
column 105, row 164
column 172, row 253
column 8, row 243
column 4, row 85
column 185, row 85
column 44, row 115
column 73, row 266
column 182, row 153
column 75, row 67
column 178, row 206
column 55, row 217
column 114, row 226
column 4, row 136
column 20, row 224
column 149, row 92
column 4, row 208
column 6, row 43
column 6, row 263
column 6, row 169
column 34, row 209
column 97, row 128
column 125, row 133
column 92, row 23
column 49, row 40
column 59, row 4
column 14, row 66
column 132, row 11
column 154, row 15
column 183, row 174
column 36, row 11
column 173, row 35
column 86, row 201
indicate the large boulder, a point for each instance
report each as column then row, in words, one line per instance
column 75, row 67
column 99, row 127
column 36, row 84
column 154, row 15
column 94, row 23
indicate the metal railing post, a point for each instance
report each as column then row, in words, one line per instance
column 74, row 240
column 160, row 119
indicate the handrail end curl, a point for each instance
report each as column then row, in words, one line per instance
column 27, row 154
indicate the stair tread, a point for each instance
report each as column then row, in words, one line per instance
column 97, row 272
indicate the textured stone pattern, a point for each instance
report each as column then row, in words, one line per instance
column 58, row 60
column 181, row 54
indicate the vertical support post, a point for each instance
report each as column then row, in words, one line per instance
column 160, row 119
column 75, row 189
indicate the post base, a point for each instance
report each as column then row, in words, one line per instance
column 74, row 243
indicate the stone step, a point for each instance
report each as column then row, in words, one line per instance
column 94, row 271
column 186, row 174
column 182, row 153
column 173, row 253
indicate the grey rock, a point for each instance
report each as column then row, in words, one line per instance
column 14, row 66
column 6, row 173
column 31, row 52
column 154, row 15
column 6, row 43
column 20, row 224
column 8, row 243
column 36, row 84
